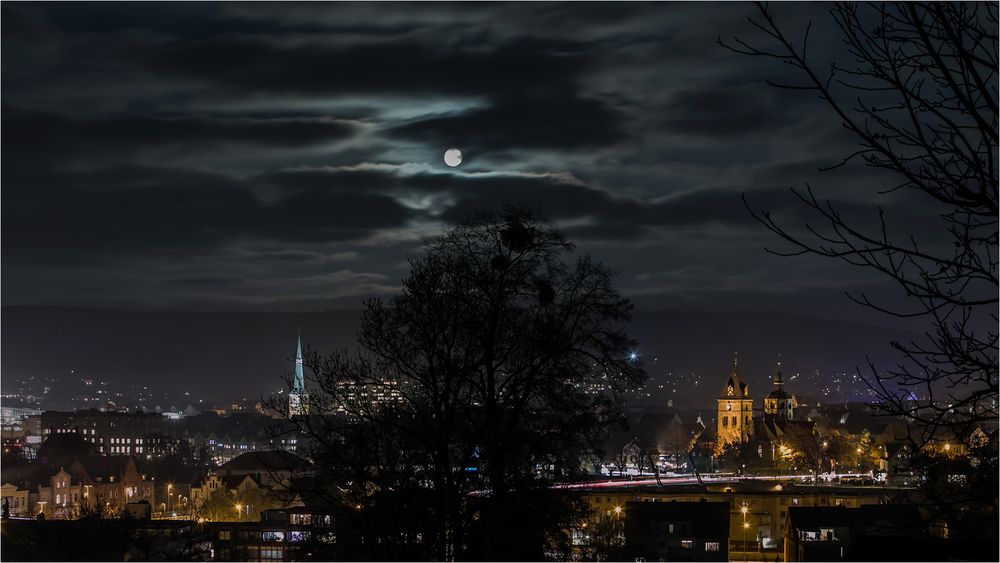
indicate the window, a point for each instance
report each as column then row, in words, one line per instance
column 687, row 544
column 225, row 535
column 725, row 421
column 670, row 528
column 711, row 546
column 272, row 535
column 734, row 420
column 826, row 534
column 271, row 554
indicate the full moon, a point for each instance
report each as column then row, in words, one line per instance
column 453, row 157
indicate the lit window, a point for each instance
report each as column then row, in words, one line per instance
column 711, row 546
column 687, row 544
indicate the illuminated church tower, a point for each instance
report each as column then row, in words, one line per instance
column 735, row 419
column 298, row 398
column 779, row 403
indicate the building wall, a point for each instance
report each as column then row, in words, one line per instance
column 17, row 500
column 113, row 433
column 766, row 510
column 734, row 422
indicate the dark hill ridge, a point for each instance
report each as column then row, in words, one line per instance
column 230, row 354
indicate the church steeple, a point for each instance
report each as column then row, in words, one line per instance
column 735, row 409
column 778, row 402
column 298, row 397
column 299, row 385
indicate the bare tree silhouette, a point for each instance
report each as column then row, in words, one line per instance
column 473, row 392
column 921, row 101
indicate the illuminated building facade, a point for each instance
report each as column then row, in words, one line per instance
column 113, row 433
column 734, row 423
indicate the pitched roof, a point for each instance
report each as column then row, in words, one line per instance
column 28, row 476
column 99, row 467
column 234, row 481
column 263, row 461
column 740, row 388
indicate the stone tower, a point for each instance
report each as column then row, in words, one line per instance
column 735, row 417
column 778, row 402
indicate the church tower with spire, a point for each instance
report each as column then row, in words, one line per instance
column 735, row 417
column 298, row 397
column 779, row 403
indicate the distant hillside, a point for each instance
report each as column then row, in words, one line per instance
column 230, row 354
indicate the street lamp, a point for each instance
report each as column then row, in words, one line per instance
column 239, row 511
column 170, row 487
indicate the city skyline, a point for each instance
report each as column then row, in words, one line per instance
column 505, row 281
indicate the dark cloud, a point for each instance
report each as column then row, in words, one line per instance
column 80, row 217
column 206, row 281
column 541, row 67
column 165, row 152
column 722, row 110
column 32, row 133
column 523, row 123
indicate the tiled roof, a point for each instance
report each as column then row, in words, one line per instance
column 274, row 460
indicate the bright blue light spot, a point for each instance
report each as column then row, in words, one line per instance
column 633, row 356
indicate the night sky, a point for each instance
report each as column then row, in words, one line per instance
column 288, row 157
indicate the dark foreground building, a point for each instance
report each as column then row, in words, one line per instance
column 677, row 531
column 888, row 532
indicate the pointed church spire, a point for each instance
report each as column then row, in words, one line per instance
column 299, row 385
column 298, row 398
